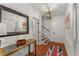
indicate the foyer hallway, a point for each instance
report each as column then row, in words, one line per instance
column 40, row 29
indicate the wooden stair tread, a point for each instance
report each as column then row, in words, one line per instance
column 44, row 38
column 46, row 41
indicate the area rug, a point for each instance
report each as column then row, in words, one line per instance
column 55, row 51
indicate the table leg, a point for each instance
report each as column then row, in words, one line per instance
column 29, row 48
column 35, row 48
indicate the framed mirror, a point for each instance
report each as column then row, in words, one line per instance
column 12, row 22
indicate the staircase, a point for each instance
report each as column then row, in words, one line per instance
column 45, row 38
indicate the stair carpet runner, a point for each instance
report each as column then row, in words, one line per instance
column 54, row 51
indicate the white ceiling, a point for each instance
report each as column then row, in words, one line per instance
column 57, row 8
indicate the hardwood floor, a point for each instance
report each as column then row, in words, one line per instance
column 42, row 49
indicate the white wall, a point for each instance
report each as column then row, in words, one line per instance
column 77, row 52
column 69, row 33
column 56, row 28
column 28, row 10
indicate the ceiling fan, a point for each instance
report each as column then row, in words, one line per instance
column 49, row 13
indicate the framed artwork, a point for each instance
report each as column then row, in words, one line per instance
column 24, row 24
column 67, row 21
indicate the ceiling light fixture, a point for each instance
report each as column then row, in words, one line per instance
column 49, row 14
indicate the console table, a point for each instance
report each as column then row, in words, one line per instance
column 28, row 43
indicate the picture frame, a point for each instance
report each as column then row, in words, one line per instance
column 67, row 21
column 24, row 25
